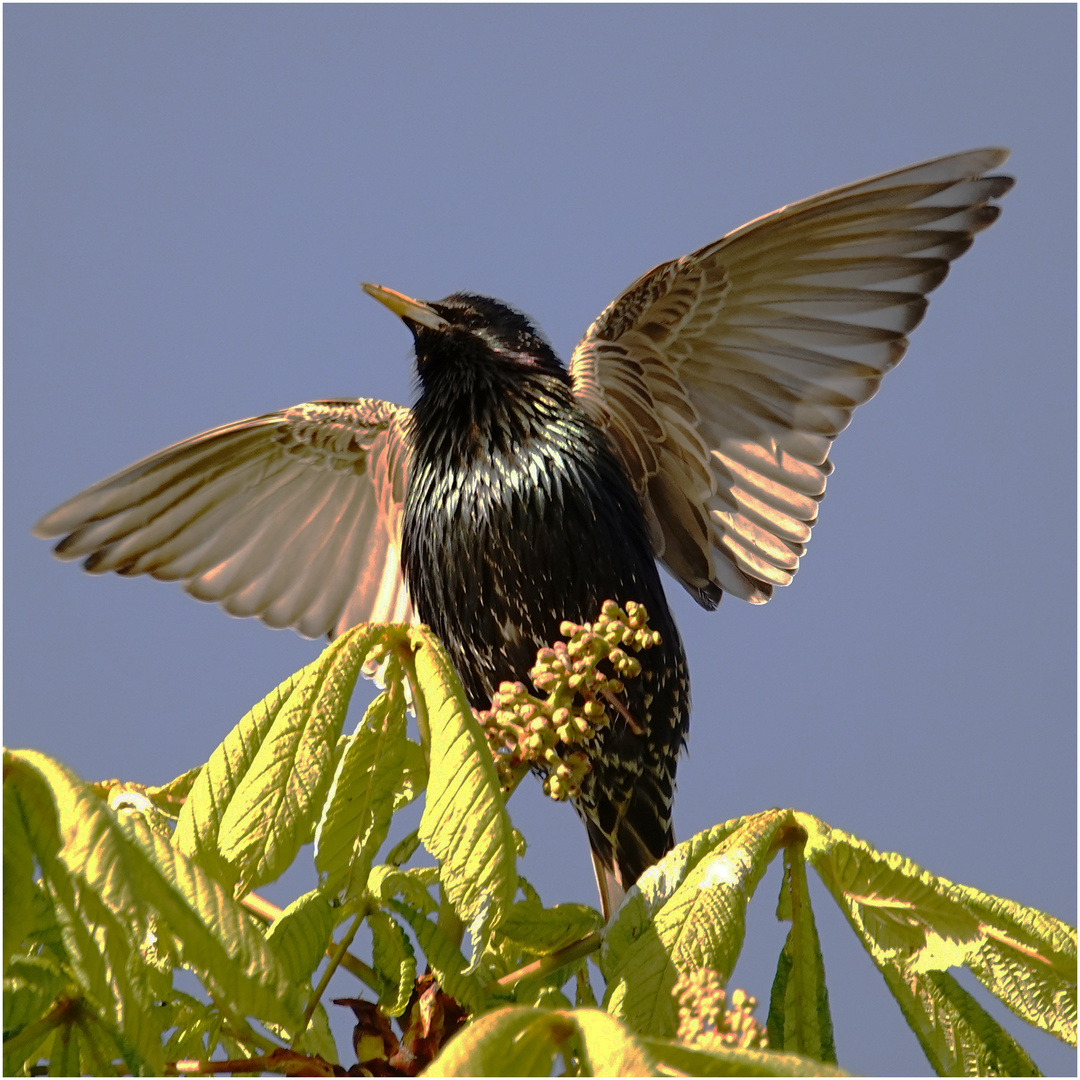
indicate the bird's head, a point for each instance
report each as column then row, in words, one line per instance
column 465, row 337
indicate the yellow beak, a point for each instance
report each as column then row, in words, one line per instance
column 406, row 307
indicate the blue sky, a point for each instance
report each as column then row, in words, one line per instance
column 192, row 195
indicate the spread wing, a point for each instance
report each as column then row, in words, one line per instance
column 722, row 378
column 294, row 516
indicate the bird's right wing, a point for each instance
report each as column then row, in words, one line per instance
column 294, row 517
column 722, row 378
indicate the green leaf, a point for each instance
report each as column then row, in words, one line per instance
column 913, row 923
column 515, row 1041
column 609, row 1048
column 696, row 1061
column 360, row 802
column 277, row 803
column 529, row 931
column 46, row 930
column 1027, row 959
column 660, row 881
column 129, row 1012
column 799, row 1018
column 957, row 1035
column 196, row 1026
column 31, row 985
column 170, row 797
column 537, row 994
column 465, row 824
column 443, row 957
column 199, row 823
column 75, row 940
column 688, row 913
column 318, row 1038
column 404, row 849
column 539, row 930
column 19, row 891
column 299, row 936
column 104, row 1040
column 132, row 799
column 132, row 871
column 411, row 885
column 904, row 915
column 414, row 777
column 583, row 991
column 523, row 1041
column 64, row 1057
column 394, row 962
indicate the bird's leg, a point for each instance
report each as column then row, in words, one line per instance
column 608, row 885
column 623, row 711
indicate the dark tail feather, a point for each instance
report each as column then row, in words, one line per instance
column 641, row 835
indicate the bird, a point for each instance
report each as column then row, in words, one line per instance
column 691, row 429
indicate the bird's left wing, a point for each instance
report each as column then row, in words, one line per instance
column 722, row 378
column 294, row 517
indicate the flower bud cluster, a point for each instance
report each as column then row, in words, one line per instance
column 552, row 733
column 703, row 1020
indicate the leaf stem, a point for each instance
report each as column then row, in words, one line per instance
column 552, row 962
column 419, row 701
column 261, row 908
column 355, row 966
column 37, row 1031
column 327, row 975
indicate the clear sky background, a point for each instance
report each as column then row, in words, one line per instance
column 192, row 195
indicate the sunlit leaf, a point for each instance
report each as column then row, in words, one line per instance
column 539, row 930
column 394, row 962
column 414, row 776
column 411, row 885
column 688, row 913
column 443, row 956
column 514, row 1041
column 1027, row 959
column 957, row 1035
column 679, row 1059
column 318, row 1038
column 31, row 985
column 799, row 1018
column 914, row 923
column 525, row 1040
column 76, row 941
column 276, row 805
column 904, row 915
column 405, row 848
column 301, row 933
column 195, row 1027
column 133, row 870
column 608, row 1047
column 465, row 824
column 360, row 801
column 134, row 984
column 19, row 888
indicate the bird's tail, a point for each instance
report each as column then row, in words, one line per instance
column 641, row 836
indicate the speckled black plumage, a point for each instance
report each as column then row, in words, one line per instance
column 517, row 516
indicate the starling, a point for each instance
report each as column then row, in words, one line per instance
column 692, row 426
